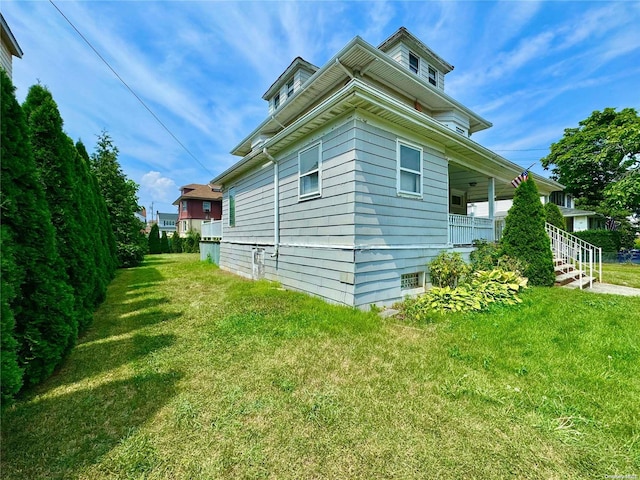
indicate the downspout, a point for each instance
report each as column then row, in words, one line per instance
column 276, row 203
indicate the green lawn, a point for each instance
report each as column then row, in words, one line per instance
column 627, row 274
column 192, row 373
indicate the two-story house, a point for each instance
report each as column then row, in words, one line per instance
column 197, row 203
column 167, row 222
column 360, row 175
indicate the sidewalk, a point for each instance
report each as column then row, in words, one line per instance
column 609, row 288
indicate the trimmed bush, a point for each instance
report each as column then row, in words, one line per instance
column 164, row 243
column 447, row 269
column 525, row 238
column 485, row 256
column 554, row 216
column 608, row 240
column 154, row 240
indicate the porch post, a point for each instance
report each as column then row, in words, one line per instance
column 491, row 195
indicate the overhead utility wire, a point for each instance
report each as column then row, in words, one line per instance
column 130, row 89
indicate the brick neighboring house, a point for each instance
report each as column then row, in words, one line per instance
column 195, row 204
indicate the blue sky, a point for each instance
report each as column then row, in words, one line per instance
column 531, row 68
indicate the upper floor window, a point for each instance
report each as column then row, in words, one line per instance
column 232, row 207
column 276, row 101
column 206, row 206
column 184, row 205
column 414, row 63
column 409, row 180
column 309, row 179
column 433, row 76
column 290, row 88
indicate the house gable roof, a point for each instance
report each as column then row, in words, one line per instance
column 196, row 191
column 8, row 38
column 298, row 63
column 356, row 59
column 403, row 35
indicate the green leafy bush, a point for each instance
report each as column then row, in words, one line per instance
column 554, row 216
column 608, row 240
column 482, row 290
column 448, row 269
column 485, row 256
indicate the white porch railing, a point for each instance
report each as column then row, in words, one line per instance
column 464, row 229
column 575, row 252
column 211, row 229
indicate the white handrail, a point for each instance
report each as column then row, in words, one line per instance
column 575, row 252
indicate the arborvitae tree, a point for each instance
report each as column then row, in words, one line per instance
column 10, row 373
column 164, row 243
column 57, row 158
column 43, row 305
column 524, row 236
column 554, row 216
column 120, row 195
column 176, row 243
column 154, row 240
column 191, row 244
column 104, row 238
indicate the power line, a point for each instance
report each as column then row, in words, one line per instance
column 129, row 88
column 523, row 150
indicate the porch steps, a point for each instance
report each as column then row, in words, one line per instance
column 569, row 276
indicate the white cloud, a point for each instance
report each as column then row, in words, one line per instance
column 158, row 188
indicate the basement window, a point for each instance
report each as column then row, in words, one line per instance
column 410, row 281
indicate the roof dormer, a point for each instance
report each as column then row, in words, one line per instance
column 288, row 83
column 415, row 56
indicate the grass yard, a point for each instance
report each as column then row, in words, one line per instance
column 627, row 274
column 192, row 373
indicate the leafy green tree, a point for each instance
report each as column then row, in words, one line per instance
column 525, row 238
column 120, row 195
column 598, row 162
column 43, row 304
column 154, row 240
column 103, row 242
column 554, row 216
column 164, row 243
column 191, row 244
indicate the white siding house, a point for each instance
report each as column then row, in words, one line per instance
column 359, row 177
column 9, row 47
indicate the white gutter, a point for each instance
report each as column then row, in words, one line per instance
column 276, row 203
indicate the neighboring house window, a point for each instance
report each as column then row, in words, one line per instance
column 232, row 207
column 409, row 169
column 309, row 172
column 414, row 63
column 290, row 88
column 206, row 206
column 184, row 205
column 276, row 101
column 184, row 226
column 433, row 76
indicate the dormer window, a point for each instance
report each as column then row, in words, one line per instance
column 414, row 63
column 290, row 88
column 433, row 76
column 276, row 101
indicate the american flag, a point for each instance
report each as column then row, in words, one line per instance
column 520, row 178
column 611, row 224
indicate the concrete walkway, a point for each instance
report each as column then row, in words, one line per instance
column 609, row 288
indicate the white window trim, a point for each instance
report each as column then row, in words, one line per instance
column 435, row 76
column 309, row 196
column 205, row 208
column 404, row 193
column 411, row 54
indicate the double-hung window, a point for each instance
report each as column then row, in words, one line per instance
column 276, row 101
column 290, row 88
column 409, row 169
column 433, row 76
column 184, row 205
column 309, row 172
column 414, row 63
column 206, row 206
